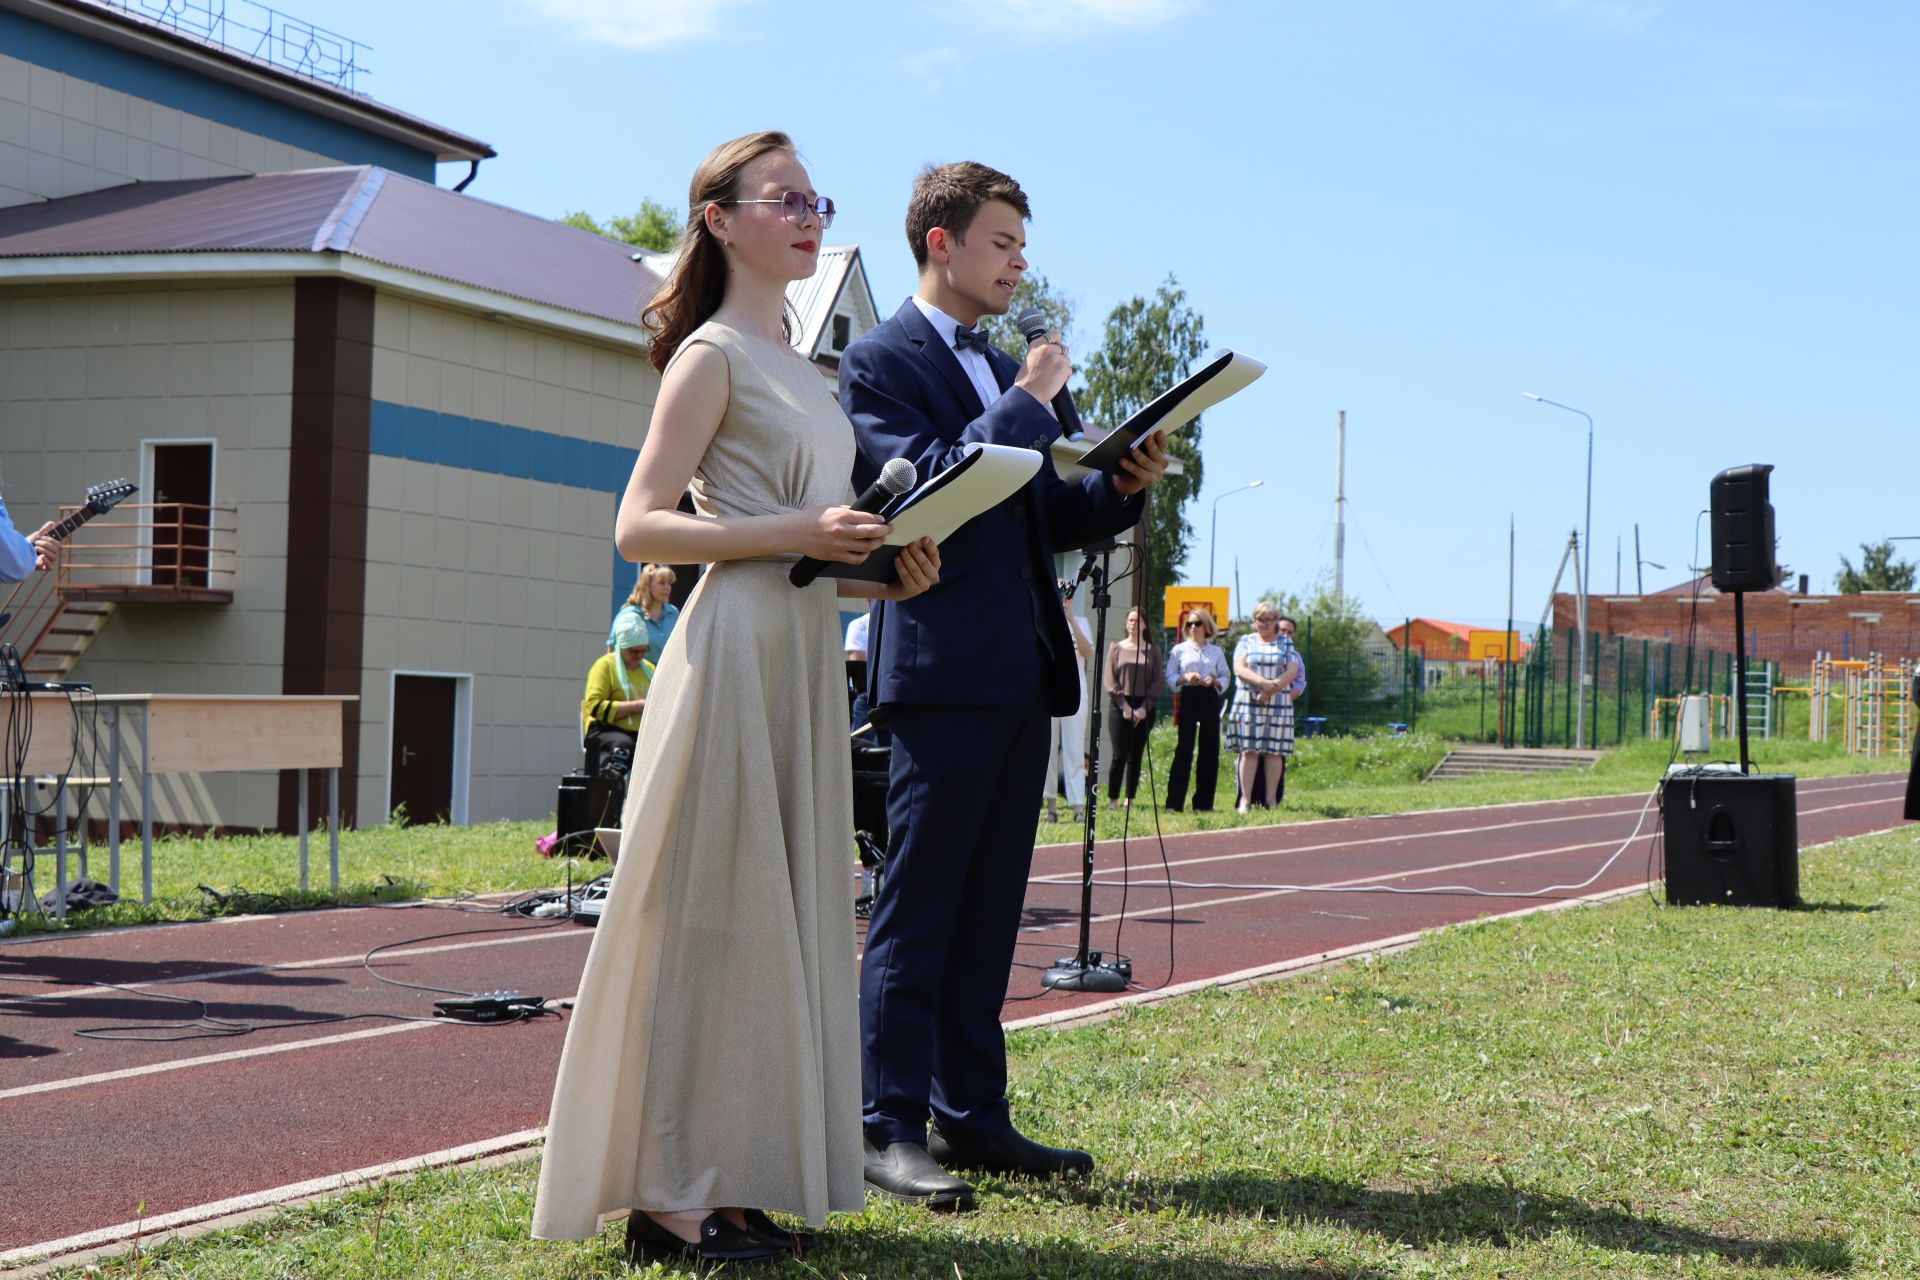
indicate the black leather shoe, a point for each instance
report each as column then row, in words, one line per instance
column 720, row 1242
column 801, row 1243
column 1006, row 1152
column 906, row 1172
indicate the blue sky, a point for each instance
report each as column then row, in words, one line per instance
column 1696, row 221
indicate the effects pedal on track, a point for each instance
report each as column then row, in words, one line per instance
column 490, row 1006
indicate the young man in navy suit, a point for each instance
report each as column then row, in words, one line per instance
column 970, row 674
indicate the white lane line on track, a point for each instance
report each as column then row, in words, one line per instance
column 231, row 1055
column 161, row 1224
column 1381, row 877
column 1073, row 877
column 533, row 934
column 1804, row 787
column 1101, row 1008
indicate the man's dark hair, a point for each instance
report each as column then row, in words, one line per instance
column 949, row 195
column 1289, row 621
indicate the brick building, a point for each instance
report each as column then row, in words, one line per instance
column 1782, row 626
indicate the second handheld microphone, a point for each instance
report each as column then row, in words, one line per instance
column 896, row 478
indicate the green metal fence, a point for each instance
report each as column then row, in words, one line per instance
column 1358, row 682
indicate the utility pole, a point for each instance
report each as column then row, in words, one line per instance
column 1340, row 515
column 1639, row 583
column 1506, row 644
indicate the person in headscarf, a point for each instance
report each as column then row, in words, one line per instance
column 617, row 685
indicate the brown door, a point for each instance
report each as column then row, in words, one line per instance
column 422, row 764
column 182, row 513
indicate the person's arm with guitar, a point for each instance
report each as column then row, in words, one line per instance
column 22, row 554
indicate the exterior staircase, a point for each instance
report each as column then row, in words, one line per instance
column 1473, row 762
column 48, row 627
column 74, row 625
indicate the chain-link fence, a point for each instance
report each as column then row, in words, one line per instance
column 1359, row 681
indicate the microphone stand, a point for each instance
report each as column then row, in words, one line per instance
column 1086, row 969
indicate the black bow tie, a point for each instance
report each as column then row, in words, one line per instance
column 964, row 337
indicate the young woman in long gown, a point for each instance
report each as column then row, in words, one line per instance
column 711, row 1070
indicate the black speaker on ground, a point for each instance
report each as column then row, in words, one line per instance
column 583, row 804
column 1731, row 839
column 1742, row 518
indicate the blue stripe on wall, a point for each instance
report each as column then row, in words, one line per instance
column 184, row 90
column 472, row 444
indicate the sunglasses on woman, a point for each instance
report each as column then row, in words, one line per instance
column 794, row 206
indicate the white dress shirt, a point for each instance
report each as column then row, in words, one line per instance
column 857, row 634
column 972, row 360
column 1189, row 658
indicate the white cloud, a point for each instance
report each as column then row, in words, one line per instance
column 1083, row 17
column 930, row 70
column 642, row 24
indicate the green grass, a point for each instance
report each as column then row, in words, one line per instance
column 1329, row 778
column 1615, row 1091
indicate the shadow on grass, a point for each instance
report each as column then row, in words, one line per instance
column 1845, row 908
column 882, row 1254
column 1491, row 1213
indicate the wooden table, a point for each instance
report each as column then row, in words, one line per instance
column 197, row 733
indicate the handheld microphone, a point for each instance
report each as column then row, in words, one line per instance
column 896, row 478
column 1033, row 326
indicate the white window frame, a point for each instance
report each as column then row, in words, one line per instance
column 143, row 551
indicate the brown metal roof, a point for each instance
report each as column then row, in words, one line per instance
column 361, row 211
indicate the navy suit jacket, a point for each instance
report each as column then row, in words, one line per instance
column 995, row 614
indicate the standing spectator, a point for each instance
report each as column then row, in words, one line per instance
column 617, row 685
column 649, row 603
column 1067, row 741
column 856, row 654
column 1298, row 690
column 1260, row 721
column 1197, row 670
column 657, row 609
column 20, row 554
column 1134, row 679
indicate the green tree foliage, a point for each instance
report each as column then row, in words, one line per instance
column 1150, row 345
column 1878, row 571
column 1034, row 290
column 655, row 226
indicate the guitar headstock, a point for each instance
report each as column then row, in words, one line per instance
column 102, row 498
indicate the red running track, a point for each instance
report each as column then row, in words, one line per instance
column 209, row 1125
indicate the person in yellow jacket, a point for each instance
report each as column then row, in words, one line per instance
column 617, row 685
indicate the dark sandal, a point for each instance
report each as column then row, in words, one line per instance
column 720, row 1241
column 800, row 1242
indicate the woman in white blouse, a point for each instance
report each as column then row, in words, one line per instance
column 1197, row 674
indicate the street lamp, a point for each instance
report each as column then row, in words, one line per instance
column 1213, row 535
column 1586, row 573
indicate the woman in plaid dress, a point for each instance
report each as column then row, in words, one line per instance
column 1260, row 721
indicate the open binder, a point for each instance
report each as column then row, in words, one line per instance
column 984, row 476
column 1226, row 373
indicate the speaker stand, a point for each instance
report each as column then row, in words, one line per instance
column 1740, row 673
column 1086, row 969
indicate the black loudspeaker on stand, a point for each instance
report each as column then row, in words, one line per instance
column 1733, row 838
